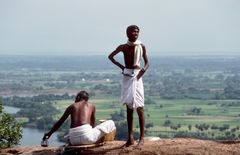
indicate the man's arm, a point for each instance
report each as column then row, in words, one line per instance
column 146, row 64
column 58, row 123
column 111, row 57
column 93, row 117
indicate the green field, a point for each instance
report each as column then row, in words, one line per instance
column 193, row 95
column 213, row 112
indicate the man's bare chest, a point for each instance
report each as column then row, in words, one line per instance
column 128, row 52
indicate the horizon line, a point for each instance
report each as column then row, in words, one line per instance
column 154, row 53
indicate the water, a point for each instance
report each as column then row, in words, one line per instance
column 33, row 137
column 11, row 110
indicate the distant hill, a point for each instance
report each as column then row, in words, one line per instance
column 94, row 63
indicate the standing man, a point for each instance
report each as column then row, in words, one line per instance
column 132, row 93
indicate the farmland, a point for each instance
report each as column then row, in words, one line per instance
column 196, row 96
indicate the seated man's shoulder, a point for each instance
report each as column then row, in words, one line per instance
column 91, row 104
column 71, row 106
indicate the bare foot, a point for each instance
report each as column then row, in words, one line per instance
column 129, row 142
column 140, row 144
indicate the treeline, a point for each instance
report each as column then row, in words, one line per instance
column 24, row 102
column 167, row 77
column 39, row 110
column 184, row 84
column 200, row 131
column 193, row 86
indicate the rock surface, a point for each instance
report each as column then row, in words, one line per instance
column 178, row 146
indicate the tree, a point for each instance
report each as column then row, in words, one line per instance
column 148, row 100
column 10, row 130
column 232, row 89
column 44, row 122
column 202, row 127
column 121, row 130
column 167, row 123
column 118, row 116
column 194, row 111
column 149, row 125
column 189, row 127
column 224, row 127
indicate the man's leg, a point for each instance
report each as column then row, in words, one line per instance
column 130, row 140
column 140, row 112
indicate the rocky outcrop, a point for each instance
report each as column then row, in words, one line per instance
column 177, row 146
column 30, row 150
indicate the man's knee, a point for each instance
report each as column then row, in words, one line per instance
column 129, row 108
column 140, row 112
column 111, row 122
column 140, row 109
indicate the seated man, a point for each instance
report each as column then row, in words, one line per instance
column 82, row 130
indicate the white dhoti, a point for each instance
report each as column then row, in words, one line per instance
column 132, row 93
column 85, row 134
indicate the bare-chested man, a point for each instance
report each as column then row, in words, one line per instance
column 82, row 129
column 132, row 87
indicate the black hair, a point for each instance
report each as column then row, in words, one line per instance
column 82, row 95
column 131, row 28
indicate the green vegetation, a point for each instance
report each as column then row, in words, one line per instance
column 10, row 130
column 184, row 96
column 39, row 110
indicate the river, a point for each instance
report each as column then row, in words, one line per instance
column 33, row 137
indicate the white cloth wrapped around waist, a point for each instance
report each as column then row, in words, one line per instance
column 85, row 134
column 80, row 131
column 132, row 93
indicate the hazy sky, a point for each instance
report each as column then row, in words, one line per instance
column 98, row 26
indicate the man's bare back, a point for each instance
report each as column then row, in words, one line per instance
column 82, row 112
column 82, row 129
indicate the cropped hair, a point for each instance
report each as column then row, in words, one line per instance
column 82, row 95
column 131, row 28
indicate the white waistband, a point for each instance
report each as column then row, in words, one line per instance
column 130, row 72
column 82, row 128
